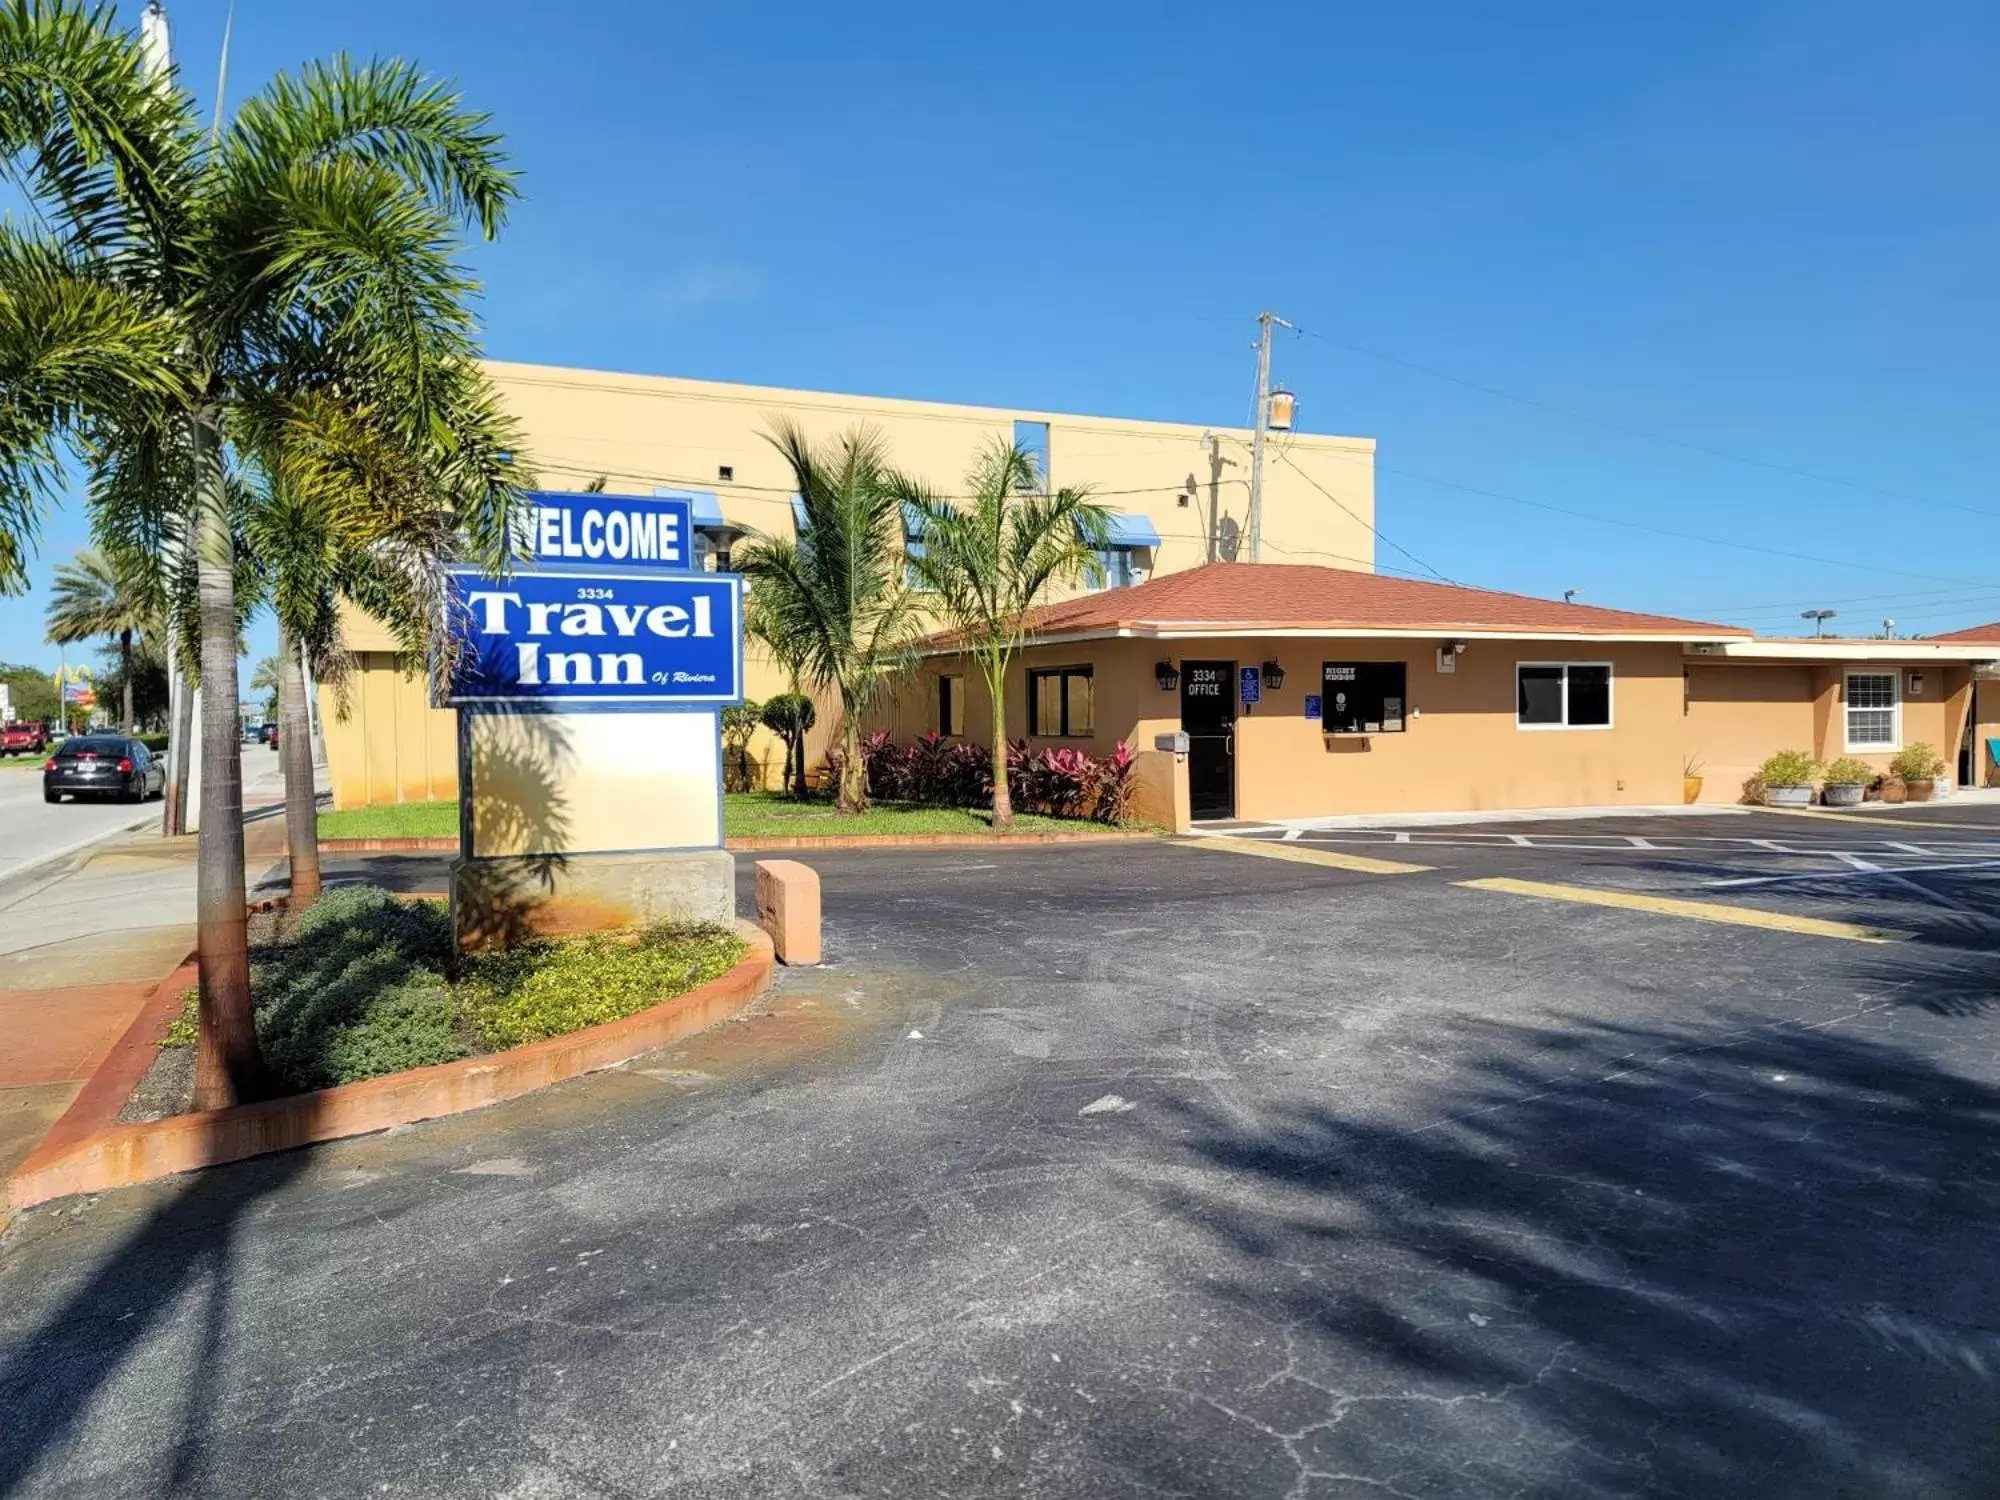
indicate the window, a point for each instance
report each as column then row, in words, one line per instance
column 1117, row 566
column 1362, row 697
column 1874, row 712
column 1563, row 695
column 1060, row 704
column 951, row 705
column 1032, row 438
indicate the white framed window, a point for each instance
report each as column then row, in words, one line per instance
column 1874, row 709
column 1562, row 695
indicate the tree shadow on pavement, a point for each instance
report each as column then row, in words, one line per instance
column 1739, row 1259
column 162, row 1298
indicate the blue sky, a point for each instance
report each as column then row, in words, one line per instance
column 1765, row 229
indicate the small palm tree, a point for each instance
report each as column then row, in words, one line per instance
column 265, row 681
column 991, row 561
column 179, row 287
column 95, row 597
column 835, row 600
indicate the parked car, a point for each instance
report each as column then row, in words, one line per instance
column 268, row 734
column 103, row 765
column 23, row 738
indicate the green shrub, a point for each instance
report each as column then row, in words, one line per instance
column 1918, row 762
column 355, row 988
column 157, row 743
column 1788, row 768
column 1848, row 771
column 551, row 988
column 187, row 1024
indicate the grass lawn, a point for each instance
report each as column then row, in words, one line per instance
column 402, row 820
column 768, row 815
column 745, row 815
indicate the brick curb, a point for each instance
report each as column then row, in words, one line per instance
column 87, row 1153
column 766, row 842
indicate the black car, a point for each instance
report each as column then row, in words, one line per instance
column 103, row 765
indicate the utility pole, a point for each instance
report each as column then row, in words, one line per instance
column 1263, row 420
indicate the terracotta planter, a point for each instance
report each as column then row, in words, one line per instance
column 1893, row 790
column 1690, row 789
column 1788, row 796
column 1843, row 794
column 1919, row 791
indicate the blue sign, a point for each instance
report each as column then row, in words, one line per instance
column 573, row 638
column 1312, row 705
column 1252, row 684
column 612, row 531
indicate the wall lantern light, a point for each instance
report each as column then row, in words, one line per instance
column 1167, row 675
column 1274, row 675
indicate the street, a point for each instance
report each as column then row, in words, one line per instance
column 1151, row 1169
column 33, row 832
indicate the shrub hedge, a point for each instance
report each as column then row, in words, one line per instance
column 1062, row 782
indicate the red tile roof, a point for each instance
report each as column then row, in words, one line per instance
column 1976, row 634
column 1236, row 597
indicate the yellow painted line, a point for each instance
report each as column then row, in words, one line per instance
column 1817, row 814
column 1263, row 850
column 1699, row 911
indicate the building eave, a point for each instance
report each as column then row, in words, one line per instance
column 1844, row 650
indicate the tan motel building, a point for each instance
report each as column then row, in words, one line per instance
column 1305, row 684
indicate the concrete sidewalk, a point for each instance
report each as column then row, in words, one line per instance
column 81, row 946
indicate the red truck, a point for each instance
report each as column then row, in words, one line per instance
column 23, row 738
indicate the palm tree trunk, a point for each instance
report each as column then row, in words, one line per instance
column 1003, row 795
column 125, row 668
column 295, row 751
column 180, row 733
column 853, row 796
column 228, row 1066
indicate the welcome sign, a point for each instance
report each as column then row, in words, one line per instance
column 621, row 531
column 596, row 638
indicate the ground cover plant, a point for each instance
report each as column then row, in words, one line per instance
column 361, row 984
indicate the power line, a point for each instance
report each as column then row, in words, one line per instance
column 1286, row 459
column 1708, row 449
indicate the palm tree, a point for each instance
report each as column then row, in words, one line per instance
column 376, row 536
column 835, row 600
column 186, row 286
column 94, row 597
column 991, row 561
column 264, row 682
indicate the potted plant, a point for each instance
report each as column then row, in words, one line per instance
column 1846, row 782
column 1691, row 782
column 1919, row 766
column 1787, row 779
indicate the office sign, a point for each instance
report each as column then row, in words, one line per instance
column 561, row 638
column 612, row 531
column 1251, row 682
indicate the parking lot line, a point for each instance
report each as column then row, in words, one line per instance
column 1818, row 814
column 1699, row 911
column 1358, row 862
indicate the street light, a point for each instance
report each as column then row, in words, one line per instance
column 1819, row 617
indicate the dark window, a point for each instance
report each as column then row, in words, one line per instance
column 1541, row 695
column 86, row 746
column 1564, row 695
column 1362, row 697
column 1060, row 703
column 951, row 706
column 725, row 472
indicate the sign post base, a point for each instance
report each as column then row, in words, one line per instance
column 497, row 902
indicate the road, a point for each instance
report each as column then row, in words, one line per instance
column 33, row 832
column 1133, row 1170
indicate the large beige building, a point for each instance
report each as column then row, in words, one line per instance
column 1180, row 493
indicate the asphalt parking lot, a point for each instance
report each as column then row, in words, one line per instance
column 1138, row 1170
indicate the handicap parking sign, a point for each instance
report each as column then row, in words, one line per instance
column 1252, row 684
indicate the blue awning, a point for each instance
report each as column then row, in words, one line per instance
column 706, row 507
column 1125, row 530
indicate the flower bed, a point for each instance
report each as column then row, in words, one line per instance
column 363, row 984
column 1061, row 783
